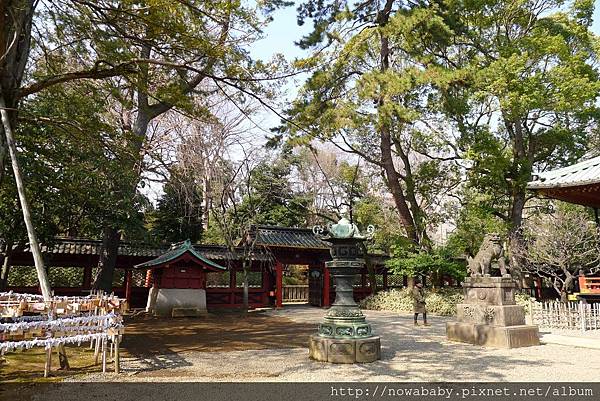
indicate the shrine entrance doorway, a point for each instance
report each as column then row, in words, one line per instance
column 295, row 284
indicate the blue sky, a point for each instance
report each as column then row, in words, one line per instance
column 283, row 31
column 281, row 34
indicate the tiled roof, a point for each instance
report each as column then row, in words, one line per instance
column 177, row 251
column 285, row 237
column 219, row 252
column 584, row 173
column 80, row 246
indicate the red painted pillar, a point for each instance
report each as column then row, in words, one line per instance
column 326, row 286
column 128, row 280
column 278, row 285
column 539, row 288
column 265, row 287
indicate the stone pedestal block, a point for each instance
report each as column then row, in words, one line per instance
column 337, row 350
column 485, row 290
column 493, row 336
column 497, row 315
column 490, row 317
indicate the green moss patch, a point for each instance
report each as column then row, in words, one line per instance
column 28, row 365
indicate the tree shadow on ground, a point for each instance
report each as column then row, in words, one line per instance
column 160, row 343
column 421, row 353
column 273, row 344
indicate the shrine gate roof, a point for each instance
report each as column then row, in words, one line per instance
column 583, row 173
column 176, row 252
column 286, row 237
column 579, row 183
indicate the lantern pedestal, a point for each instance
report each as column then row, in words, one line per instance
column 339, row 350
column 344, row 336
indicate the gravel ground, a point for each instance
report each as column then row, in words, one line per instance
column 408, row 354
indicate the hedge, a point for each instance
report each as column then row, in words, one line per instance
column 440, row 302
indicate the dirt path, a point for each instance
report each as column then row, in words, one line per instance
column 272, row 346
column 151, row 343
column 408, row 354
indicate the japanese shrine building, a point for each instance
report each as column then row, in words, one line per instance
column 179, row 281
column 578, row 184
column 214, row 269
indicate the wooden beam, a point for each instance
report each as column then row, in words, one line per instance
column 385, row 279
column 586, row 195
column 117, row 358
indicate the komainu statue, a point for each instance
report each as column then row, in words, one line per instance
column 491, row 249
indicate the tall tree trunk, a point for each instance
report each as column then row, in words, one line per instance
column 110, row 236
column 16, row 18
column 31, row 234
column 522, row 162
column 107, row 260
column 6, row 263
column 146, row 112
column 411, row 197
column 387, row 162
column 3, row 153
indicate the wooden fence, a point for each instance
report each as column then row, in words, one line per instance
column 569, row 315
column 295, row 293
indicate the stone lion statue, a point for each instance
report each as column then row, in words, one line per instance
column 491, row 249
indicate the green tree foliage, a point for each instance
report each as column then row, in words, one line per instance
column 271, row 198
column 161, row 52
column 435, row 263
column 504, row 88
column 178, row 216
column 370, row 95
column 475, row 220
column 72, row 158
column 529, row 95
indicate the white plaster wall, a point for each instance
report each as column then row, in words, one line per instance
column 169, row 298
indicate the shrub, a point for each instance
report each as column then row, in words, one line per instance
column 522, row 299
column 441, row 302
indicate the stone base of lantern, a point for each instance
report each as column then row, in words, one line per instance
column 342, row 350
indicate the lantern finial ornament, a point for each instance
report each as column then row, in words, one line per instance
column 317, row 230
